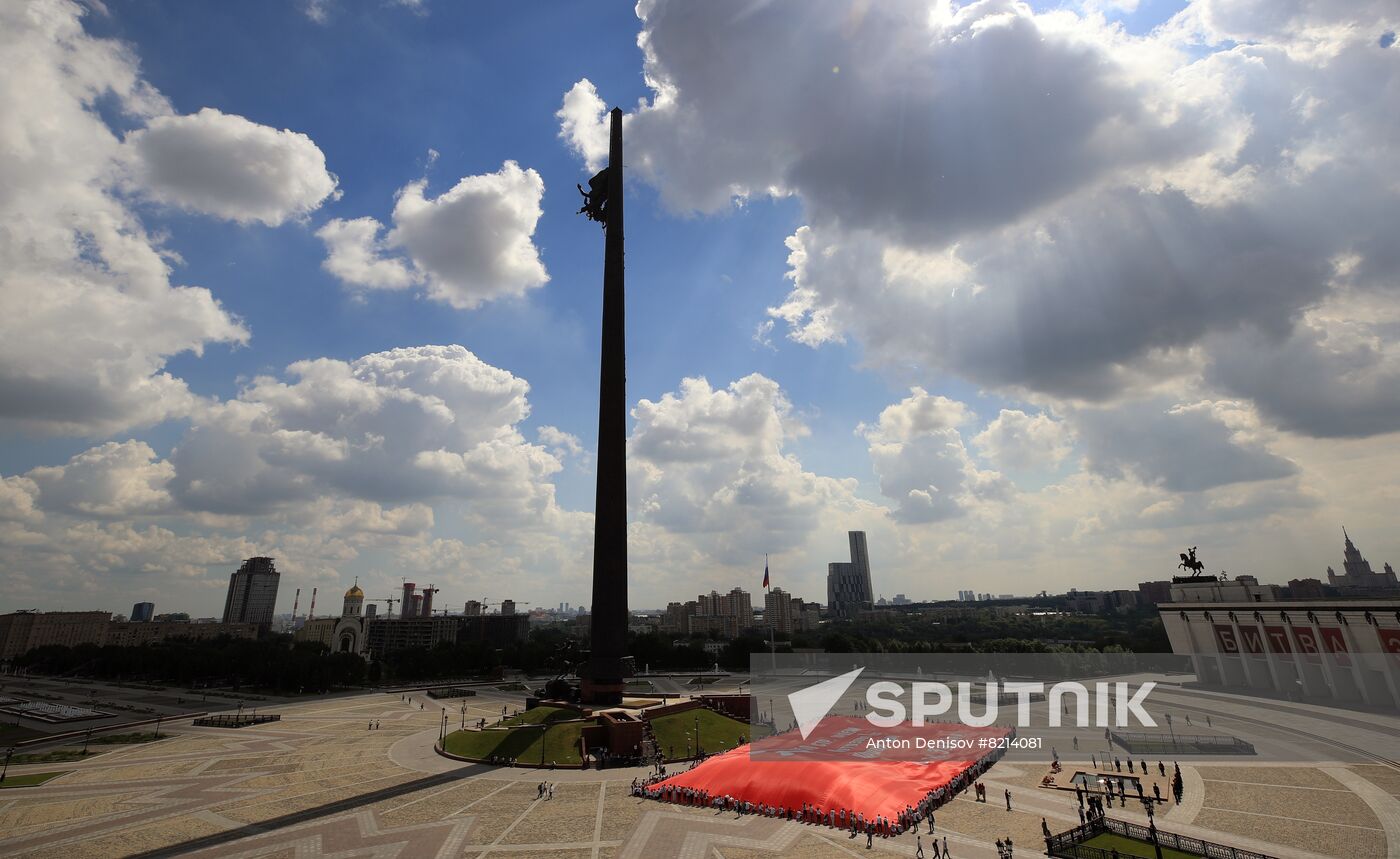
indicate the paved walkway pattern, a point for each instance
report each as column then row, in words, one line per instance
column 319, row 783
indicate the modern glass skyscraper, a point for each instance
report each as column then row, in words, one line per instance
column 252, row 593
column 848, row 588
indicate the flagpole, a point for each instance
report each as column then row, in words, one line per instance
column 772, row 645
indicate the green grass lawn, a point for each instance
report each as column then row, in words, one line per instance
column 1132, row 847
column 561, row 743
column 75, row 752
column 29, row 779
column 717, row 733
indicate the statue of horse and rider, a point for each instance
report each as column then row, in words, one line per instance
column 1190, row 564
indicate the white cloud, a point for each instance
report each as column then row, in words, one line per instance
column 356, row 255
column 472, row 244
column 225, row 165
column 560, row 441
column 921, row 461
column 708, row 467
column 1046, row 205
column 1016, row 441
column 410, row 424
column 113, row 480
column 583, row 124
column 88, row 315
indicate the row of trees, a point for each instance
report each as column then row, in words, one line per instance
column 271, row 663
column 278, row 663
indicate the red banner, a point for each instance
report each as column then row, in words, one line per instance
column 1390, row 640
column 1278, row 639
column 1253, row 639
column 1225, row 640
column 1307, row 643
column 1336, row 643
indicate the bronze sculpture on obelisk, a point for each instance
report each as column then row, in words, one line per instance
column 604, row 674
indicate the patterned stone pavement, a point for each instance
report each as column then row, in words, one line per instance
column 318, row 783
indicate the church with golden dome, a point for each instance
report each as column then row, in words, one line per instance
column 344, row 634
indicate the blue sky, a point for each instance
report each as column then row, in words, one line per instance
column 879, row 363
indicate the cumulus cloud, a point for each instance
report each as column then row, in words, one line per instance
column 583, row 124
column 560, row 441
column 921, row 461
column 88, row 313
column 116, row 479
column 1017, row 441
column 357, row 255
column 1183, row 448
column 225, row 165
column 409, row 424
column 1044, row 204
column 710, row 464
column 473, row 243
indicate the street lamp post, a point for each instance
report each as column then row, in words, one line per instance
column 158, row 718
column 4, row 772
column 1152, row 825
column 86, row 740
column 698, row 749
column 1171, row 731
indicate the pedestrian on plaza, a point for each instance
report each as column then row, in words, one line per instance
column 869, row 835
column 1044, row 827
column 1001, row 849
column 918, row 847
column 1161, row 769
column 1157, row 791
column 1076, row 743
column 1208, row 723
column 1081, row 815
column 1008, row 799
column 1008, row 847
column 947, row 854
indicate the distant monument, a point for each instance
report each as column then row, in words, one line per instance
column 603, row 677
column 1194, row 568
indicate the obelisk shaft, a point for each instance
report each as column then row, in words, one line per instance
column 604, row 682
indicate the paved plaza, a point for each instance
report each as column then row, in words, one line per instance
column 320, row 783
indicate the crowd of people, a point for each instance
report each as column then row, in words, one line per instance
column 907, row 820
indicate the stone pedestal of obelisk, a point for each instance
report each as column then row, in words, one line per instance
column 604, row 675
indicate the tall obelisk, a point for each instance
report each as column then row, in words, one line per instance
column 604, row 678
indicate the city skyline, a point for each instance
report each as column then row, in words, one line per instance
column 233, row 323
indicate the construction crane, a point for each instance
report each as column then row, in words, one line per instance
column 487, row 602
column 390, row 601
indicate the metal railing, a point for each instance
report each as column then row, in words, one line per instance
column 231, row 720
column 1070, row 842
column 1139, row 742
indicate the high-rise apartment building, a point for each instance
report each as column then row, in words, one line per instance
column 143, row 612
column 252, row 593
column 848, row 588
